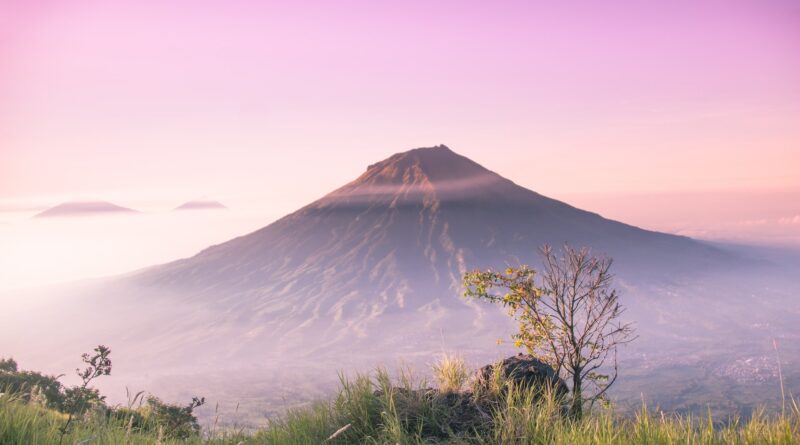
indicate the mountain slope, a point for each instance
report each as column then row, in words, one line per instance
column 427, row 209
column 379, row 261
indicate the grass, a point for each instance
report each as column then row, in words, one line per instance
column 451, row 373
column 377, row 410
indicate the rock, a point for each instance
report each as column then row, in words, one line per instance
column 524, row 370
column 440, row 415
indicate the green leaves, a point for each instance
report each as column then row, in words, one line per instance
column 518, row 293
column 98, row 364
column 569, row 320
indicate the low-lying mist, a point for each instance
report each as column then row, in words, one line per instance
column 705, row 342
column 39, row 252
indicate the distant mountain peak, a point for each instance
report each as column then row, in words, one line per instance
column 78, row 208
column 201, row 204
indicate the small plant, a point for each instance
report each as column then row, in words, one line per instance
column 79, row 397
column 450, row 373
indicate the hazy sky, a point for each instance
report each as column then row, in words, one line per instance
column 268, row 105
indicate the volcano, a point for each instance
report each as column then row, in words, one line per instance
column 371, row 273
column 417, row 220
column 377, row 264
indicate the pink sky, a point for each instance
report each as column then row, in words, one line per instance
column 275, row 103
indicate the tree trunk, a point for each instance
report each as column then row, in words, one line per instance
column 577, row 398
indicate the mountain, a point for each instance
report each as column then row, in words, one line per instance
column 422, row 216
column 79, row 208
column 200, row 204
column 371, row 273
column 377, row 263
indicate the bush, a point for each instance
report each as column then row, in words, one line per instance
column 28, row 385
column 8, row 365
column 174, row 420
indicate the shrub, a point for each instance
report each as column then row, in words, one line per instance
column 26, row 384
column 174, row 420
column 8, row 365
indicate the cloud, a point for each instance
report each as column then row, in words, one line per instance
column 790, row 220
column 753, row 222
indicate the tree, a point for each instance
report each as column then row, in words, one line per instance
column 568, row 317
column 78, row 397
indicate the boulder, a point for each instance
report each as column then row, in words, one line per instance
column 523, row 370
column 440, row 415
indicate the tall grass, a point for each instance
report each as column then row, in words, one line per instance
column 375, row 409
column 25, row 423
column 450, row 373
column 381, row 414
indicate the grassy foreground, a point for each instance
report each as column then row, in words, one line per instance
column 376, row 410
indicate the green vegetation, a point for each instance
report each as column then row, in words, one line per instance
column 570, row 321
column 37, row 409
column 378, row 410
column 451, row 373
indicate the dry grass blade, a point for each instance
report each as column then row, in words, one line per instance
column 338, row 432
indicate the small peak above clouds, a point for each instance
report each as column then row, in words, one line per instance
column 83, row 208
column 201, row 204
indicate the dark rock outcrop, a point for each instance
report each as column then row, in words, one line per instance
column 443, row 414
column 522, row 370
